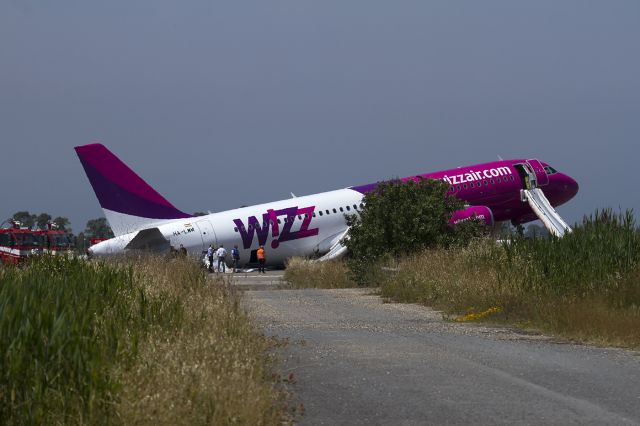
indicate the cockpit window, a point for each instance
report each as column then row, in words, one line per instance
column 550, row 170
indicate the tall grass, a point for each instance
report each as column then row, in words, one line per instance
column 143, row 342
column 585, row 285
column 593, row 258
column 213, row 369
column 62, row 325
column 304, row 273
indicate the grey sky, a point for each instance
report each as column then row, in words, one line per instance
column 219, row 104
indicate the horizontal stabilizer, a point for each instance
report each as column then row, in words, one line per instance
column 150, row 240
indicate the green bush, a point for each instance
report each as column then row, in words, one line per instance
column 400, row 218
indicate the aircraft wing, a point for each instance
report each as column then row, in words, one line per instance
column 338, row 249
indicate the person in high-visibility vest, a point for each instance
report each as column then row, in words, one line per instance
column 261, row 259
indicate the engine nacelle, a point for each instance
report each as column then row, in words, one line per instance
column 482, row 213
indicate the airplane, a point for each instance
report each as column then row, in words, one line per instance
column 312, row 225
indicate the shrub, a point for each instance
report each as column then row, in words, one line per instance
column 400, row 218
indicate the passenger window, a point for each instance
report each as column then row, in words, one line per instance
column 299, row 217
column 320, row 212
column 459, row 188
column 327, row 211
column 314, row 215
column 486, row 183
column 492, row 181
column 361, row 206
column 341, row 209
column 335, row 211
column 279, row 221
column 355, row 207
column 235, row 229
column 348, row 208
column 464, row 186
column 499, row 180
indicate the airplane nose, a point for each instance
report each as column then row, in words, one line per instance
column 569, row 185
column 90, row 252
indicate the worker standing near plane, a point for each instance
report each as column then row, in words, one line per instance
column 210, row 257
column 235, row 255
column 222, row 254
column 261, row 259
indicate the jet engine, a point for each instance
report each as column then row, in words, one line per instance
column 482, row 213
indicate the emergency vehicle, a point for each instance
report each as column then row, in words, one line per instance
column 55, row 240
column 17, row 244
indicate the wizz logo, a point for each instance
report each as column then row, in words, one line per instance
column 270, row 222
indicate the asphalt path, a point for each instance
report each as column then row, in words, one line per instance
column 357, row 360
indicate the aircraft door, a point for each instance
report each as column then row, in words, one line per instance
column 207, row 233
column 538, row 168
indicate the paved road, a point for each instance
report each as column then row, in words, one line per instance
column 360, row 361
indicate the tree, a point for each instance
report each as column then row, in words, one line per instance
column 42, row 220
column 62, row 223
column 98, row 228
column 25, row 218
column 400, row 218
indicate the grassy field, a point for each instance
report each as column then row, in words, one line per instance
column 148, row 342
column 585, row 286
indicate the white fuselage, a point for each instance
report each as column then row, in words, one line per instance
column 297, row 226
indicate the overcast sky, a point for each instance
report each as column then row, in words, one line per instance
column 220, row 104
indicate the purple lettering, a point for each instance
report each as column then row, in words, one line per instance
column 254, row 227
column 270, row 219
column 286, row 234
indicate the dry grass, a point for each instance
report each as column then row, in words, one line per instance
column 304, row 273
column 479, row 283
column 208, row 368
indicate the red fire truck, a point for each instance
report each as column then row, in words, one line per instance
column 55, row 241
column 17, row 244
